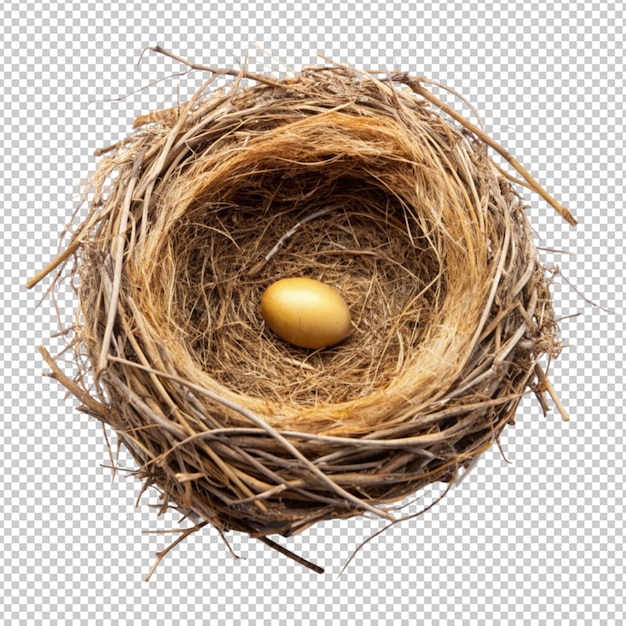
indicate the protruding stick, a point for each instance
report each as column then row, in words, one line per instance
column 546, row 385
column 298, row 559
column 416, row 86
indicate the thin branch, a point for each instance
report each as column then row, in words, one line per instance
column 213, row 70
column 142, row 88
column 59, row 260
column 298, row 559
column 416, row 86
column 184, row 534
column 546, row 385
column 97, row 408
column 582, row 295
column 385, row 528
column 462, row 98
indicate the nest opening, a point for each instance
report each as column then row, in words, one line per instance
column 357, row 241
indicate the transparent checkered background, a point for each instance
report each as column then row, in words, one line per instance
column 539, row 540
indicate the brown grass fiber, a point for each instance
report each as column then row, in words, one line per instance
column 372, row 185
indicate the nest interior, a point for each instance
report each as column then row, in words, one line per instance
column 334, row 174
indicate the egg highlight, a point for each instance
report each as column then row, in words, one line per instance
column 306, row 312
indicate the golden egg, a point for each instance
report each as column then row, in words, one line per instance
column 306, row 312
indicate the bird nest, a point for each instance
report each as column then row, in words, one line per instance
column 370, row 184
